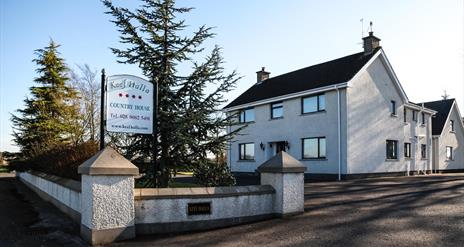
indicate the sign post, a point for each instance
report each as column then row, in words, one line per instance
column 155, row 134
column 102, row 110
column 130, row 108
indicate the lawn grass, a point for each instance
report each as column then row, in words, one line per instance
column 183, row 185
column 185, row 173
column 4, row 169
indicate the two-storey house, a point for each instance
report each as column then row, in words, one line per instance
column 344, row 118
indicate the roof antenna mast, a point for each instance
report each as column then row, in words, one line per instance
column 362, row 27
column 445, row 96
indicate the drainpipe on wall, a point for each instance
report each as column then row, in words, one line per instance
column 339, row 136
column 229, row 147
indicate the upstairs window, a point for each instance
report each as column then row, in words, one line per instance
column 414, row 116
column 405, row 115
column 423, row 151
column 407, row 150
column 247, row 115
column 393, row 107
column 247, row 151
column 423, row 118
column 451, row 125
column 449, row 153
column 392, row 149
column 277, row 110
column 314, row 148
column 313, row 104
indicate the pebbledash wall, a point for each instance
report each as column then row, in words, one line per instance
column 65, row 194
column 163, row 210
column 109, row 208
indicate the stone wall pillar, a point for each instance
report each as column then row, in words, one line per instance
column 107, row 198
column 286, row 175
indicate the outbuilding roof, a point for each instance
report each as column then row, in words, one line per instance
column 443, row 108
column 320, row 75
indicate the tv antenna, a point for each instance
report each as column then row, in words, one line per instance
column 445, row 96
column 362, row 27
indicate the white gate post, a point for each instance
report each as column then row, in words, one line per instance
column 107, row 198
column 286, row 175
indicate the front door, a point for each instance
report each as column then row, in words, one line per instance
column 280, row 146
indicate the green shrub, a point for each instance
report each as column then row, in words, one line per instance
column 61, row 161
column 211, row 174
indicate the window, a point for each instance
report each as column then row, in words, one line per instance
column 247, row 115
column 313, row 104
column 314, row 148
column 407, row 150
column 414, row 116
column 449, row 153
column 393, row 107
column 247, row 151
column 392, row 149
column 423, row 151
column 451, row 125
column 405, row 115
column 423, row 118
column 277, row 110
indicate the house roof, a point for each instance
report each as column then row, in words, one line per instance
column 443, row 108
column 320, row 75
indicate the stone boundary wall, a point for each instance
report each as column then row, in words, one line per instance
column 166, row 210
column 64, row 193
column 109, row 209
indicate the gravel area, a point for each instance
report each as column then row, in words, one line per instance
column 404, row 211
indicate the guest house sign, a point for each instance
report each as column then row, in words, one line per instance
column 129, row 104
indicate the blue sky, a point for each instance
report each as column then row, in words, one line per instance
column 424, row 40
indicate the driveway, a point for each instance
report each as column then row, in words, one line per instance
column 405, row 211
column 27, row 220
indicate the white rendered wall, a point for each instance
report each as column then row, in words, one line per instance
column 454, row 139
column 370, row 124
column 292, row 128
column 174, row 210
column 66, row 196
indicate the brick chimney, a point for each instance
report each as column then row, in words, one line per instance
column 370, row 43
column 262, row 75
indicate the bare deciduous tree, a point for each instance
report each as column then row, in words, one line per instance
column 85, row 81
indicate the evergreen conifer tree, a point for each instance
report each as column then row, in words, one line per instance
column 190, row 125
column 49, row 118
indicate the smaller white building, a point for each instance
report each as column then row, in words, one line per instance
column 448, row 136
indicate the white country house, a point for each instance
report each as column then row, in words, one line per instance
column 347, row 117
column 447, row 136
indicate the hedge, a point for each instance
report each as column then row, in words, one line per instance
column 61, row 161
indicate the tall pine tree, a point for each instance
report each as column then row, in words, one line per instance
column 190, row 124
column 49, row 118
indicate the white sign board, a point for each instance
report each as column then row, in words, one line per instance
column 129, row 104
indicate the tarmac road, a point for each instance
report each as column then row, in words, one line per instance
column 405, row 211
column 26, row 220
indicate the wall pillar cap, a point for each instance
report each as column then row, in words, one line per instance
column 108, row 162
column 282, row 163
